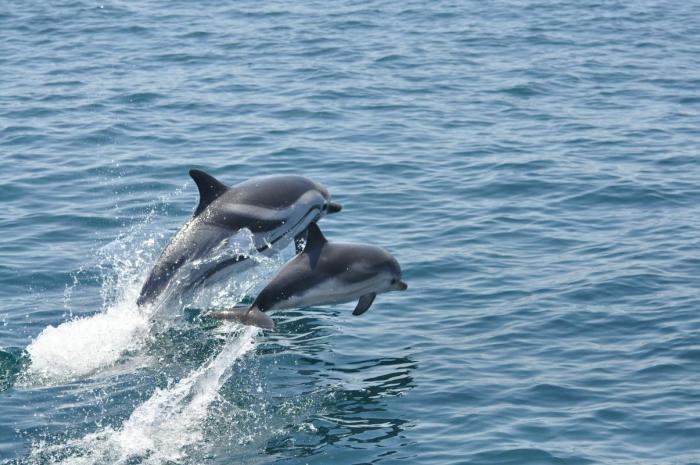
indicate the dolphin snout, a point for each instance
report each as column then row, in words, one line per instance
column 401, row 286
column 334, row 207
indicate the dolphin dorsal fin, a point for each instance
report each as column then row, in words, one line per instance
column 314, row 238
column 209, row 189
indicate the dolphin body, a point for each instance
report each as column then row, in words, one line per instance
column 324, row 273
column 274, row 209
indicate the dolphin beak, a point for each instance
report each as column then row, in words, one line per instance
column 334, row 207
column 401, row 286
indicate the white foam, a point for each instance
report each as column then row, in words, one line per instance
column 82, row 346
column 162, row 429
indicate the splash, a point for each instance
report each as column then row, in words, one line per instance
column 165, row 427
column 170, row 426
column 82, row 346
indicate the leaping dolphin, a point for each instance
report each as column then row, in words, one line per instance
column 324, row 273
column 275, row 209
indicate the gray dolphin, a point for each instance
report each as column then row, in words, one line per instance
column 324, row 273
column 275, row 209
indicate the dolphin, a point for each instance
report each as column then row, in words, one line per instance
column 275, row 209
column 323, row 273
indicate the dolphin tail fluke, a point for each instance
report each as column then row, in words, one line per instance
column 245, row 316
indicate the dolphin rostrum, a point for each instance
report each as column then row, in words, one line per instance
column 275, row 209
column 324, row 273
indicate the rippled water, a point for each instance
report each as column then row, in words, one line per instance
column 532, row 165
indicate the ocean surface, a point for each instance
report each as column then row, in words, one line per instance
column 534, row 167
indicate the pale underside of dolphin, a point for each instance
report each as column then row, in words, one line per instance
column 323, row 273
column 275, row 209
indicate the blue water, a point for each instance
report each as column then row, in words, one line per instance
column 532, row 165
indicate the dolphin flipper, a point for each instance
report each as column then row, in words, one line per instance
column 364, row 303
column 245, row 316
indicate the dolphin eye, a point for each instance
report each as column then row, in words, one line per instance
column 393, row 281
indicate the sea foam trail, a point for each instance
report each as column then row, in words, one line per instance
column 162, row 429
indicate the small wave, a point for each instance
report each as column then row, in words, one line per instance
column 528, row 455
column 627, row 194
column 523, row 90
column 139, row 98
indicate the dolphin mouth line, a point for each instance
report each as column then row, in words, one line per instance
column 277, row 239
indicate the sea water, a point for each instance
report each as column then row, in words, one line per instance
column 532, row 165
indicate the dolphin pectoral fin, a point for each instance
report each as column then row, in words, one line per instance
column 245, row 316
column 300, row 241
column 364, row 303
